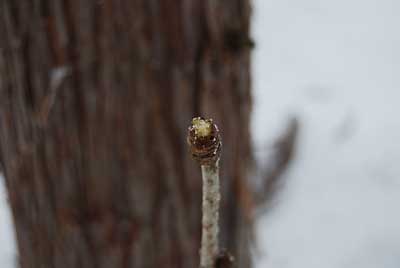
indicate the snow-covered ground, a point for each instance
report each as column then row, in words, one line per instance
column 7, row 241
column 335, row 64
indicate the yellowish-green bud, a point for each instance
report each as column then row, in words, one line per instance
column 202, row 127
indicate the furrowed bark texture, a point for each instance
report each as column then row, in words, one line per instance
column 95, row 99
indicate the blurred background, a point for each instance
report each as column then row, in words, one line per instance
column 334, row 65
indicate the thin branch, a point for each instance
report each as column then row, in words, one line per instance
column 210, row 229
column 283, row 151
column 205, row 145
column 57, row 77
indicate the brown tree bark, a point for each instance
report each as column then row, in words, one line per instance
column 95, row 100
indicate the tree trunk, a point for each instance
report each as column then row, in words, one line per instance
column 95, row 101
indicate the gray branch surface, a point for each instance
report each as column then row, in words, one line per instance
column 211, row 199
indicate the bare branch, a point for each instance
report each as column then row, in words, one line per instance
column 57, row 77
column 205, row 145
column 283, row 151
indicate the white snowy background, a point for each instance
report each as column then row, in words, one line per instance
column 336, row 65
column 7, row 242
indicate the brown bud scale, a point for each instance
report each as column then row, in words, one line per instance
column 205, row 144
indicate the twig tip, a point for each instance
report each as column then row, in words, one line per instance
column 204, row 141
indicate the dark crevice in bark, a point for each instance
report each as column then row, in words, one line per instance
column 97, row 33
column 70, row 10
column 12, row 10
column 199, row 54
column 45, row 8
column 26, row 57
